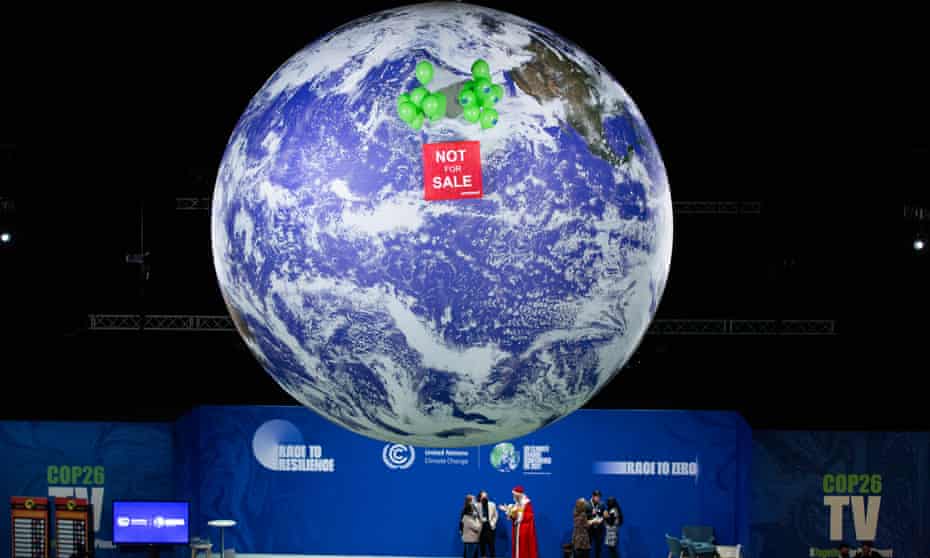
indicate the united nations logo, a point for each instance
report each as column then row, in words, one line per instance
column 398, row 456
column 505, row 458
column 71, row 505
column 29, row 503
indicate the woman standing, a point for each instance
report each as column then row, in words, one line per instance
column 581, row 541
column 470, row 527
column 614, row 521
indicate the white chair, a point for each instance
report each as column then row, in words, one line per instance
column 730, row 551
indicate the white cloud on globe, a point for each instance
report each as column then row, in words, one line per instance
column 451, row 323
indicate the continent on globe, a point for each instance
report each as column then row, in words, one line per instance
column 442, row 324
column 504, row 457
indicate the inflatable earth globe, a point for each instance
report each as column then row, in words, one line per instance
column 456, row 321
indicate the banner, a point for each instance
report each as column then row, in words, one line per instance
column 298, row 484
column 814, row 490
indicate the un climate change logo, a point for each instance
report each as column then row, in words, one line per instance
column 398, row 456
column 504, row 457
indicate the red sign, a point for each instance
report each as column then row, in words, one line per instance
column 452, row 171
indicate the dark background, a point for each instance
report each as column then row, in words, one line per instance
column 109, row 112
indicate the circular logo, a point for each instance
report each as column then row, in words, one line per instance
column 398, row 456
column 268, row 439
column 71, row 505
column 29, row 504
column 504, row 457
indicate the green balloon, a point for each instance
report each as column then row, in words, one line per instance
column 402, row 98
column 431, row 106
column 472, row 113
column 406, row 111
column 488, row 102
column 467, row 98
column 417, row 121
column 488, row 118
column 424, row 72
column 470, row 84
column 498, row 92
column 483, row 87
column 480, row 69
column 417, row 95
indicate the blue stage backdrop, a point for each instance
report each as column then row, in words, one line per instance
column 812, row 490
column 98, row 461
column 298, row 484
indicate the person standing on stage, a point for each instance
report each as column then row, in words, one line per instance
column 595, row 512
column 488, row 515
column 470, row 528
column 524, row 544
column 474, row 504
column 581, row 536
column 613, row 520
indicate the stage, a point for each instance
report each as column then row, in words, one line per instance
column 300, row 486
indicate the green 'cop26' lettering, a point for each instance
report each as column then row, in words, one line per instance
column 852, row 484
column 75, row 475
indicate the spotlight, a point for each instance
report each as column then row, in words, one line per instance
column 5, row 237
column 919, row 245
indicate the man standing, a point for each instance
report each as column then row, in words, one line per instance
column 596, row 512
column 524, row 525
column 488, row 514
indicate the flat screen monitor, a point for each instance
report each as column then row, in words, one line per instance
column 151, row 522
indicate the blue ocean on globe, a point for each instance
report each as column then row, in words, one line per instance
column 441, row 323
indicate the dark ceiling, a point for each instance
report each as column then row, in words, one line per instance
column 118, row 112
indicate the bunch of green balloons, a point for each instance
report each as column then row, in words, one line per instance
column 419, row 104
column 479, row 96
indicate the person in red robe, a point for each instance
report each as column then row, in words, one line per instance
column 523, row 534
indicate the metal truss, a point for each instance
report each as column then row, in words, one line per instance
column 192, row 204
column 742, row 327
column 782, row 327
column 167, row 322
column 916, row 213
column 717, row 207
column 679, row 207
column 159, row 322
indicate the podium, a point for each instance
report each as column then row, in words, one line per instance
column 74, row 528
column 29, row 529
